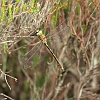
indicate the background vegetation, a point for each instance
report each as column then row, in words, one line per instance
column 27, row 69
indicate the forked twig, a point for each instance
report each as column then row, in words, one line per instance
column 2, row 73
column 6, row 96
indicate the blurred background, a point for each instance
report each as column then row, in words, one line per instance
column 28, row 71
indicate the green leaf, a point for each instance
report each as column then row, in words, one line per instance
column 24, row 6
column 32, row 3
column 2, row 10
column 83, row 27
column 22, row 50
column 5, row 47
column 10, row 11
column 2, row 13
column 77, row 9
column 40, row 80
column 25, row 86
column 35, row 9
column 16, row 9
column 35, row 60
column 17, row 0
column 54, row 19
column 3, row 2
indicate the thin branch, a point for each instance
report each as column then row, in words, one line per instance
column 7, row 96
column 2, row 73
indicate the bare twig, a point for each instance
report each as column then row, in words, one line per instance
column 5, row 76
